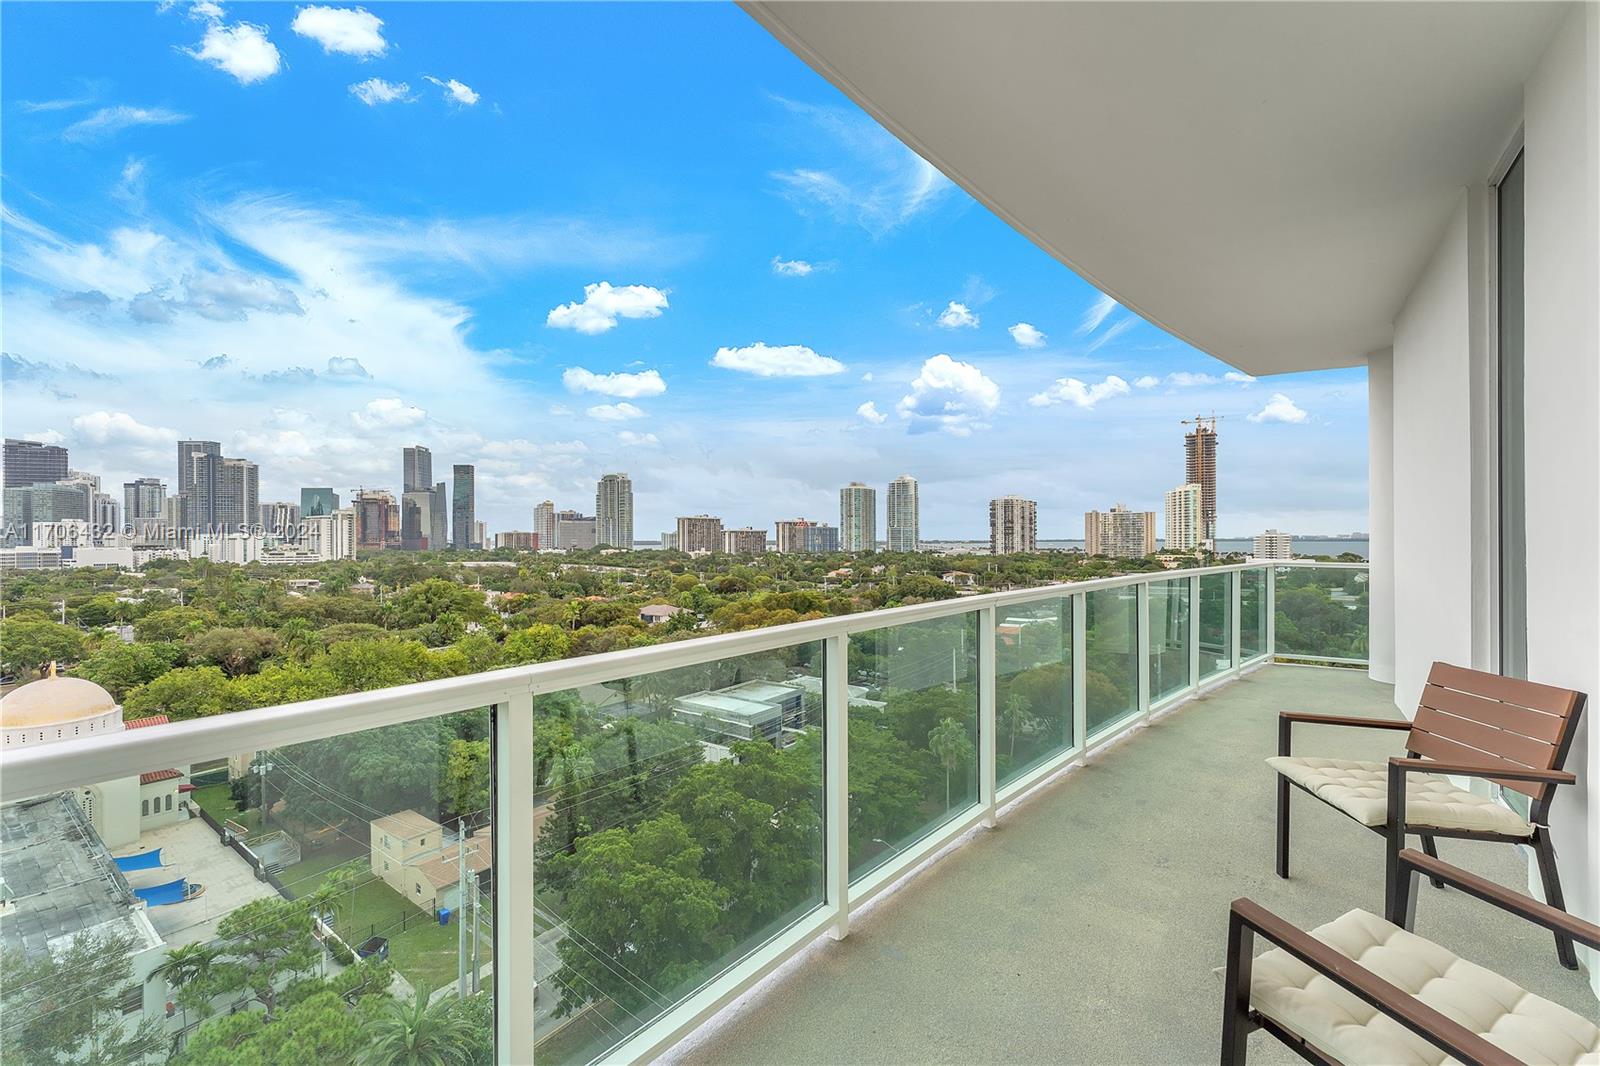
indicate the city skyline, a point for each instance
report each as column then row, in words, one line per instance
column 632, row 309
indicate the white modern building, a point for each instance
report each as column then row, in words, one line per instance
column 858, row 518
column 1013, row 525
column 1185, row 526
column 1273, row 544
column 613, row 511
column 904, row 522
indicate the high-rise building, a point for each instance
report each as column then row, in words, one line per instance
column 1183, row 519
column 904, row 527
column 544, row 523
column 613, row 511
column 107, row 515
column 29, row 462
column 463, row 507
column 318, row 501
column 143, row 498
column 416, row 519
column 188, row 450
column 376, row 521
column 517, row 540
column 858, row 518
column 1013, row 525
column 575, row 530
column 331, row 536
column 87, row 484
column 669, row 540
column 480, row 533
column 416, row 469
column 1200, row 468
column 45, row 501
column 700, row 534
column 1274, row 544
column 745, row 541
column 223, row 493
column 1119, row 533
column 802, row 536
column 280, row 519
column 439, row 518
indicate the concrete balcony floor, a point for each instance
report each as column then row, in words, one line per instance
column 1088, row 926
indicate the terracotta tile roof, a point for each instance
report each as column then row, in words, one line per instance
column 140, row 723
column 158, row 775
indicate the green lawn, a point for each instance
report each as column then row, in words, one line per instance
column 420, row 948
column 216, row 801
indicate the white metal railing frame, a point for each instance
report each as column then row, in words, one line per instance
column 511, row 693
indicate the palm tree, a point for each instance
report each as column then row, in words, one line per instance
column 949, row 743
column 419, row 1033
column 186, row 965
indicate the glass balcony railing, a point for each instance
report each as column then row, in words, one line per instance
column 581, row 859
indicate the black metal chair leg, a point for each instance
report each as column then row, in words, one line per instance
column 1432, row 850
column 1283, row 826
column 1546, row 854
column 1236, row 1024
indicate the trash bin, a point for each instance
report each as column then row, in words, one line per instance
column 444, row 915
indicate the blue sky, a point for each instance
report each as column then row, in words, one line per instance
column 558, row 240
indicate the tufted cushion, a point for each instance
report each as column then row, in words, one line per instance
column 1348, row 1030
column 1361, row 790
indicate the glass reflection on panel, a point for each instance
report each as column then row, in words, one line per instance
column 1033, row 686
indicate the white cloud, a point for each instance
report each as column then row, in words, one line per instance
column 119, row 427
column 387, row 413
column 205, row 9
column 109, row 121
column 957, row 316
column 375, row 91
column 348, row 31
column 1113, row 331
column 1075, row 392
column 615, row 412
column 875, row 182
column 455, row 90
column 630, row 386
column 791, row 268
column 950, row 395
column 1147, row 382
column 630, row 439
column 869, row 411
column 1279, row 409
column 342, row 367
column 241, row 50
column 777, row 361
column 1096, row 314
column 1239, row 378
column 604, row 304
column 1026, row 336
column 867, row 376
column 1184, row 379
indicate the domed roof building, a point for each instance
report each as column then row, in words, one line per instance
column 57, row 708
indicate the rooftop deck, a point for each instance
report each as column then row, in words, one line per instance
column 1088, row 926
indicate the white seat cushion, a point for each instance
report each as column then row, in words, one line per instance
column 1348, row 1030
column 1361, row 790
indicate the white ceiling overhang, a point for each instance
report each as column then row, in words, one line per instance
column 1263, row 180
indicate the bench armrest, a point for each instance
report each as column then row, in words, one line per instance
column 1445, row 1033
column 1506, row 899
column 1507, row 771
column 1287, row 719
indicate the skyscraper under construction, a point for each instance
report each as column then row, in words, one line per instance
column 1200, row 468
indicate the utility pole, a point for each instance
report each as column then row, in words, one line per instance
column 477, row 902
column 461, row 900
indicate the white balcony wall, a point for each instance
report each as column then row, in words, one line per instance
column 1561, row 123
column 1432, row 479
column 1444, row 463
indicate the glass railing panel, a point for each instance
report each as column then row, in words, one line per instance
column 1111, row 650
column 679, row 818
column 1033, row 686
column 318, row 903
column 1252, row 613
column 1216, row 609
column 913, row 734
column 1321, row 613
column 1169, row 638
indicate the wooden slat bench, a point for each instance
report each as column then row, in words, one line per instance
column 1512, row 732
